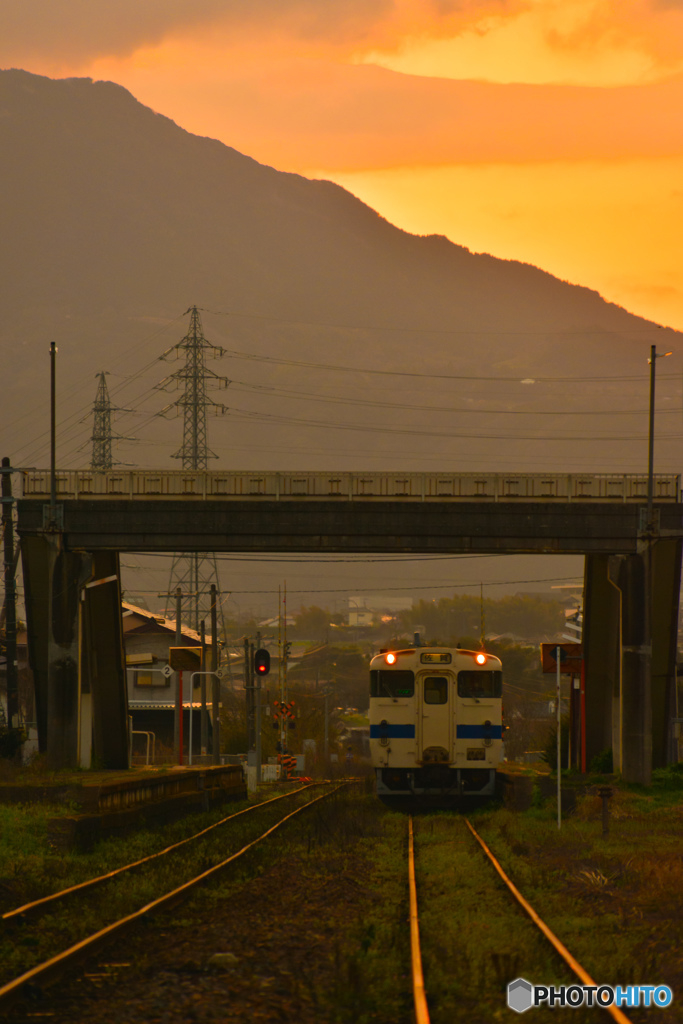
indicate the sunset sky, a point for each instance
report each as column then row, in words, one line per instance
column 548, row 131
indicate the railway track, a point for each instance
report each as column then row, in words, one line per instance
column 65, row 960
column 419, row 989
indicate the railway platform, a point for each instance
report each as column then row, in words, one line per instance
column 107, row 803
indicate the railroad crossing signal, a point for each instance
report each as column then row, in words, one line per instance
column 283, row 710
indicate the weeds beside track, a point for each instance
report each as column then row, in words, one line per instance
column 511, row 955
column 39, row 906
column 312, row 923
column 45, row 971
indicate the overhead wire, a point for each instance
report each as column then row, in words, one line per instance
column 275, row 418
column 238, row 385
column 411, row 586
column 393, row 328
column 352, row 559
column 68, row 421
column 70, row 425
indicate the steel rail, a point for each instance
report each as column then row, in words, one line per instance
column 419, row 997
column 42, row 972
column 42, row 904
column 559, row 947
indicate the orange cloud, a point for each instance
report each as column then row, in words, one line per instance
column 594, row 87
column 297, row 113
column 589, row 42
column 82, row 30
column 565, row 41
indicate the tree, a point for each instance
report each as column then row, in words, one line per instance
column 449, row 619
column 311, row 624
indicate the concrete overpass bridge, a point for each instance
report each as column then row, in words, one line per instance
column 71, row 539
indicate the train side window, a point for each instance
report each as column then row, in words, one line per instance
column 435, row 689
column 480, row 684
column 392, row 683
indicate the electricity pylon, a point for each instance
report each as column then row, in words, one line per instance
column 101, row 431
column 194, row 573
column 102, row 435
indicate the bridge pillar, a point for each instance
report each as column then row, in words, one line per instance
column 601, row 648
column 80, row 688
column 618, row 713
column 35, row 559
column 53, row 577
column 666, row 585
column 646, row 725
column 104, row 693
column 636, row 709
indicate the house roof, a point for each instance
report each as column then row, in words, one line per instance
column 139, row 620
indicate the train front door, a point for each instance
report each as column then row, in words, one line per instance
column 435, row 718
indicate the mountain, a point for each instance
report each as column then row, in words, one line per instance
column 114, row 220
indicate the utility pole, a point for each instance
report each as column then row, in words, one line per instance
column 11, row 676
column 178, row 716
column 249, row 696
column 283, row 679
column 215, row 681
column 641, row 770
column 194, row 572
column 257, row 714
column 204, row 723
column 53, row 513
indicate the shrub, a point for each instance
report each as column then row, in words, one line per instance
column 602, row 763
column 549, row 754
column 11, row 741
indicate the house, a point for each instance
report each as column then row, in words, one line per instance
column 365, row 609
column 151, row 684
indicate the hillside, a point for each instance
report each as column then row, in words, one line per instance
column 115, row 220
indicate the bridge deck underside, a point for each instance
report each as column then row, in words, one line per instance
column 376, row 527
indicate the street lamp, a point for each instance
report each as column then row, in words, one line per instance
column 654, row 356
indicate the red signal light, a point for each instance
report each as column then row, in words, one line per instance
column 261, row 662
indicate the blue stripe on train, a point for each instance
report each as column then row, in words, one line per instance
column 392, row 732
column 479, row 732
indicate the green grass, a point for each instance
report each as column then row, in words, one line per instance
column 616, row 901
column 474, row 938
column 30, row 869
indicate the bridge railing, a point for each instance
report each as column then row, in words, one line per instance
column 222, row 485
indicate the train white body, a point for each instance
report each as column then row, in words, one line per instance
column 436, row 721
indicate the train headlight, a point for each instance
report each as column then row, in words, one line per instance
column 390, row 659
column 480, row 659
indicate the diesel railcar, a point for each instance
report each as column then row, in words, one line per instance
column 436, row 722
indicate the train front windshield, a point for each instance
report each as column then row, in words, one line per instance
column 397, row 682
column 480, row 684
